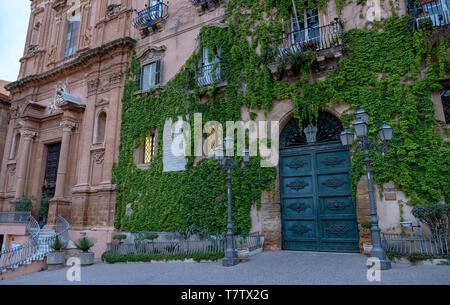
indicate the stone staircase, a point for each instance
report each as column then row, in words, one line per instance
column 36, row 248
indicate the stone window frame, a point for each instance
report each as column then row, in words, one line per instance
column 139, row 152
column 141, row 74
column 446, row 116
column 98, row 112
column 148, row 56
column 72, row 12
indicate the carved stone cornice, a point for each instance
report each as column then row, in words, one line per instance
column 67, row 126
column 58, row 4
column 80, row 61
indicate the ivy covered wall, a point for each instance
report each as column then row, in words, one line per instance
column 382, row 71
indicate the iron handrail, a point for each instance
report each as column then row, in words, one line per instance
column 151, row 15
column 431, row 244
column 312, row 38
column 34, row 246
column 204, row 3
column 207, row 74
column 14, row 217
column 19, row 255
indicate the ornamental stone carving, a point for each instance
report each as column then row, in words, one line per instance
column 58, row 99
column 98, row 156
column 67, row 125
column 12, row 170
column 28, row 134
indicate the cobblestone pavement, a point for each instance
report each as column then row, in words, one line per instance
column 268, row 268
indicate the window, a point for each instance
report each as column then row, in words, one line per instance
column 438, row 11
column 151, row 75
column 72, row 34
column 149, row 148
column 445, row 98
column 100, row 128
column 210, row 68
column 156, row 6
column 306, row 29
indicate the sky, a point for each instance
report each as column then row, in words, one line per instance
column 14, row 17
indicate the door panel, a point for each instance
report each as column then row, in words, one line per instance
column 318, row 213
column 51, row 168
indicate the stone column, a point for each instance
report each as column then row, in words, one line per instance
column 27, row 136
column 59, row 205
column 63, row 158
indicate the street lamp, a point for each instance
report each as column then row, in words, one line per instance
column 226, row 163
column 385, row 136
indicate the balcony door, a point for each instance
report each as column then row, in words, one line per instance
column 209, row 75
column 306, row 30
column 156, row 7
column 438, row 11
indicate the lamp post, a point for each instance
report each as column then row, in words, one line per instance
column 385, row 136
column 226, row 163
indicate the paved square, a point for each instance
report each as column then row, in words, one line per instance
column 267, row 268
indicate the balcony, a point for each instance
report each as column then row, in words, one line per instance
column 151, row 19
column 430, row 14
column 208, row 74
column 203, row 5
column 323, row 42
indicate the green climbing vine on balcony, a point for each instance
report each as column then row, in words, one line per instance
column 381, row 71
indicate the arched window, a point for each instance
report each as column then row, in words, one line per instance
column 15, row 146
column 100, row 128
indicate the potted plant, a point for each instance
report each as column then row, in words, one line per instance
column 84, row 244
column 56, row 259
column 117, row 239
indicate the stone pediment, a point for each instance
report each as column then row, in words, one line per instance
column 150, row 53
column 57, row 4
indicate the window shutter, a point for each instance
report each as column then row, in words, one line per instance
column 158, row 70
column 138, row 78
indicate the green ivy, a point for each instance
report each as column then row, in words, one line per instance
column 380, row 72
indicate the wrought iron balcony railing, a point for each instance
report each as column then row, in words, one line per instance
column 151, row 16
column 429, row 13
column 207, row 74
column 313, row 38
column 205, row 3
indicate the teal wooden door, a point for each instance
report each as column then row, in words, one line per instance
column 317, row 209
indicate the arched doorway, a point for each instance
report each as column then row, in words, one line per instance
column 317, row 211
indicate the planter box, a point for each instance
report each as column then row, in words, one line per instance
column 86, row 258
column 56, row 260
